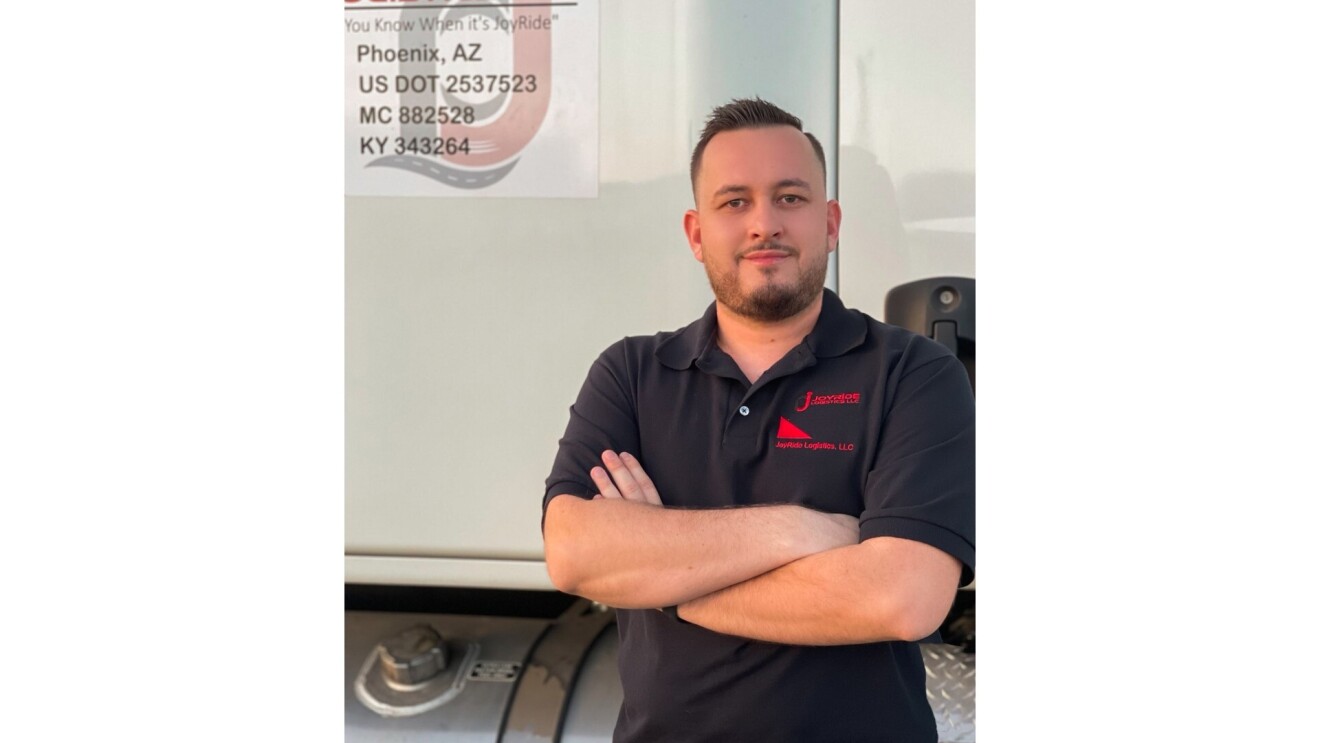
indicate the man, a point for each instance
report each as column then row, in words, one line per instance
column 778, row 497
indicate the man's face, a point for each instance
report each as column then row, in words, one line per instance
column 762, row 227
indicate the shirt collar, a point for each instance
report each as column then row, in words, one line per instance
column 838, row 330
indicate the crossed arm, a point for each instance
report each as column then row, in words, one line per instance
column 780, row 573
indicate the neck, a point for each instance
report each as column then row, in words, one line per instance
column 755, row 345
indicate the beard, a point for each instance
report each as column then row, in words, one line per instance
column 770, row 302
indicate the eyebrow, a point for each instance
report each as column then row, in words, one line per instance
column 793, row 183
column 739, row 188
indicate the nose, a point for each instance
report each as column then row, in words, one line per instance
column 764, row 222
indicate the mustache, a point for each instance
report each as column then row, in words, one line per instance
column 769, row 245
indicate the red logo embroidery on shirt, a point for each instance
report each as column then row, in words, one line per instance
column 789, row 431
column 790, row 438
column 810, row 399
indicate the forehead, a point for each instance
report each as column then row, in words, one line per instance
column 758, row 157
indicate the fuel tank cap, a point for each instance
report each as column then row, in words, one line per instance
column 414, row 655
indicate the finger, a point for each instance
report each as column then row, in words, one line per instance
column 602, row 480
column 623, row 479
column 643, row 480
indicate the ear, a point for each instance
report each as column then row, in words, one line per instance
column 692, row 226
column 832, row 219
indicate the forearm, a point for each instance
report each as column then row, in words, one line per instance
column 636, row 555
column 879, row 590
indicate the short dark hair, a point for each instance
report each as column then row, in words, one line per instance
column 747, row 113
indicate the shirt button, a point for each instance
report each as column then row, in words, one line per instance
column 744, row 410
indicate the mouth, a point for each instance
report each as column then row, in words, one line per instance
column 766, row 257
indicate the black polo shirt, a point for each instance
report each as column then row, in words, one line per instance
column 861, row 418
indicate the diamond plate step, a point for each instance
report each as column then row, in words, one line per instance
column 951, row 690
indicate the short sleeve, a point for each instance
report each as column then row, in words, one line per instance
column 603, row 417
column 923, row 483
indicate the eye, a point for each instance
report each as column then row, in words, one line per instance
column 735, row 203
column 791, row 199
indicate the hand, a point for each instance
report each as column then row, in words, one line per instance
column 630, row 481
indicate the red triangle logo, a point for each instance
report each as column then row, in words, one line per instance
column 789, row 431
